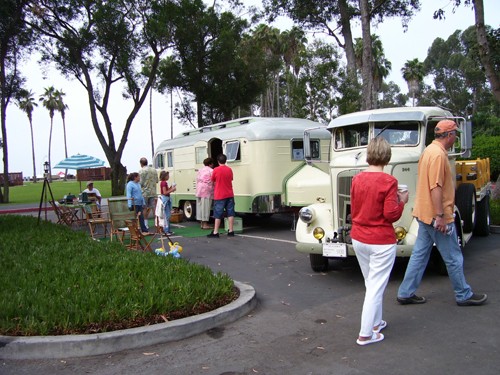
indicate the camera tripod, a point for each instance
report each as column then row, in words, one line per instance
column 43, row 198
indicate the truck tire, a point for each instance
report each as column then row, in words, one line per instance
column 482, row 222
column 319, row 263
column 465, row 199
column 189, row 208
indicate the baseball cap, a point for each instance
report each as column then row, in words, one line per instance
column 445, row 126
column 90, row 183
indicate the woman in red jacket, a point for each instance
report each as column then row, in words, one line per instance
column 375, row 205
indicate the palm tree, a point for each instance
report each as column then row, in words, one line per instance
column 49, row 101
column 293, row 44
column 26, row 102
column 61, row 107
column 413, row 74
column 380, row 65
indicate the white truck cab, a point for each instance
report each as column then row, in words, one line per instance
column 323, row 228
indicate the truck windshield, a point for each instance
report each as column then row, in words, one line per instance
column 397, row 133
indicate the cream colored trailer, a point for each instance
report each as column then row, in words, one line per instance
column 266, row 156
column 323, row 229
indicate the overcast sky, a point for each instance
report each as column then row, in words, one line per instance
column 399, row 47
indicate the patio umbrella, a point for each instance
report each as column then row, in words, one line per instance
column 79, row 161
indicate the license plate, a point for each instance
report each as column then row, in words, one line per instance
column 335, row 250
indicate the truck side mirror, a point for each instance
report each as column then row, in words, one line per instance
column 466, row 139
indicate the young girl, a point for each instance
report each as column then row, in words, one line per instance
column 165, row 191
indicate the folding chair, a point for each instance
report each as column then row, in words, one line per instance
column 137, row 240
column 64, row 215
column 118, row 213
column 96, row 217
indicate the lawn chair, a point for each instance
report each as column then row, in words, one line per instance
column 64, row 215
column 95, row 217
column 137, row 240
column 118, row 213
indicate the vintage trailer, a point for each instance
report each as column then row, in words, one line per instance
column 323, row 229
column 267, row 159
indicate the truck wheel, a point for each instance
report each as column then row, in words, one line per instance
column 318, row 262
column 465, row 200
column 482, row 224
column 189, row 208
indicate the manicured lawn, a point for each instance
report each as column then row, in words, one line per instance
column 58, row 281
column 32, row 192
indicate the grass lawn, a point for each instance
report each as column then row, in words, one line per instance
column 31, row 192
column 57, row 281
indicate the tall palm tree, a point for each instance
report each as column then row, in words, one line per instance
column 293, row 44
column 49, row 101
column 26, row 102
column 380, row 65
column 413, row 73
column 62, row 107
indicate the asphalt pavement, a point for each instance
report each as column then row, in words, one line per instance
column 307, row 323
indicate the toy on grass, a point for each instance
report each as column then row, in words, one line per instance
column 175, row 250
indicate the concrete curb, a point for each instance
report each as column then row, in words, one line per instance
column 50, row 347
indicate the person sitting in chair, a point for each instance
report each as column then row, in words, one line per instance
column 92, row 193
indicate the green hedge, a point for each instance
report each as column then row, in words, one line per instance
column 484, row 146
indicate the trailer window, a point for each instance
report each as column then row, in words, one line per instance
column 233, row 151
column 170, row 159
column 298, row 149
column 201, row 154
column 351, row 136
column 158, row 162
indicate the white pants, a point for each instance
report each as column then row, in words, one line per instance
column 376, row 263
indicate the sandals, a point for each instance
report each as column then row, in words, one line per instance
column 376, row 337
column 381, row 326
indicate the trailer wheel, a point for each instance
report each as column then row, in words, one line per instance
column 189, row 208
column 482, row 224
column 466, row 203
column 319, row 263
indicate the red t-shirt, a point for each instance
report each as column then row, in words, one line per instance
column 164, row 187
column 374, row 207
column 222, row 176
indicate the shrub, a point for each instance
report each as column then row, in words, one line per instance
column 488, row 146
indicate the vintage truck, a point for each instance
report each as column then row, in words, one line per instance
column 323, row 228
column 266, row 155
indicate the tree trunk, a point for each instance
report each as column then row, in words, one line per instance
column 484, row 53
column 65, row 146
column 366, row 71
column 118, row 178
column 4, row 197
column 345, row 21
column 50, row 142
column 33, row 150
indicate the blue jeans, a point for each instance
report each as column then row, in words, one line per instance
column 138, row 208
column 167, row 207
column 450, row 252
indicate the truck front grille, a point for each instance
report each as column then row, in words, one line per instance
column 344, row 183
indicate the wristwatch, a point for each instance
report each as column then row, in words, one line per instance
column 440, row 215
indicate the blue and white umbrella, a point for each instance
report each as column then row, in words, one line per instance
column 79, row 162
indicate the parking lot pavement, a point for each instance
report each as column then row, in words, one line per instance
column 307, row 323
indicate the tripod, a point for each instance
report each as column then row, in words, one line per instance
column 43, row 197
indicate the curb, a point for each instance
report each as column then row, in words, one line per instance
column 56, row 347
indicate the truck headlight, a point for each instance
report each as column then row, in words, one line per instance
column 400, row 233
column 306, row 214
column 318, row 233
